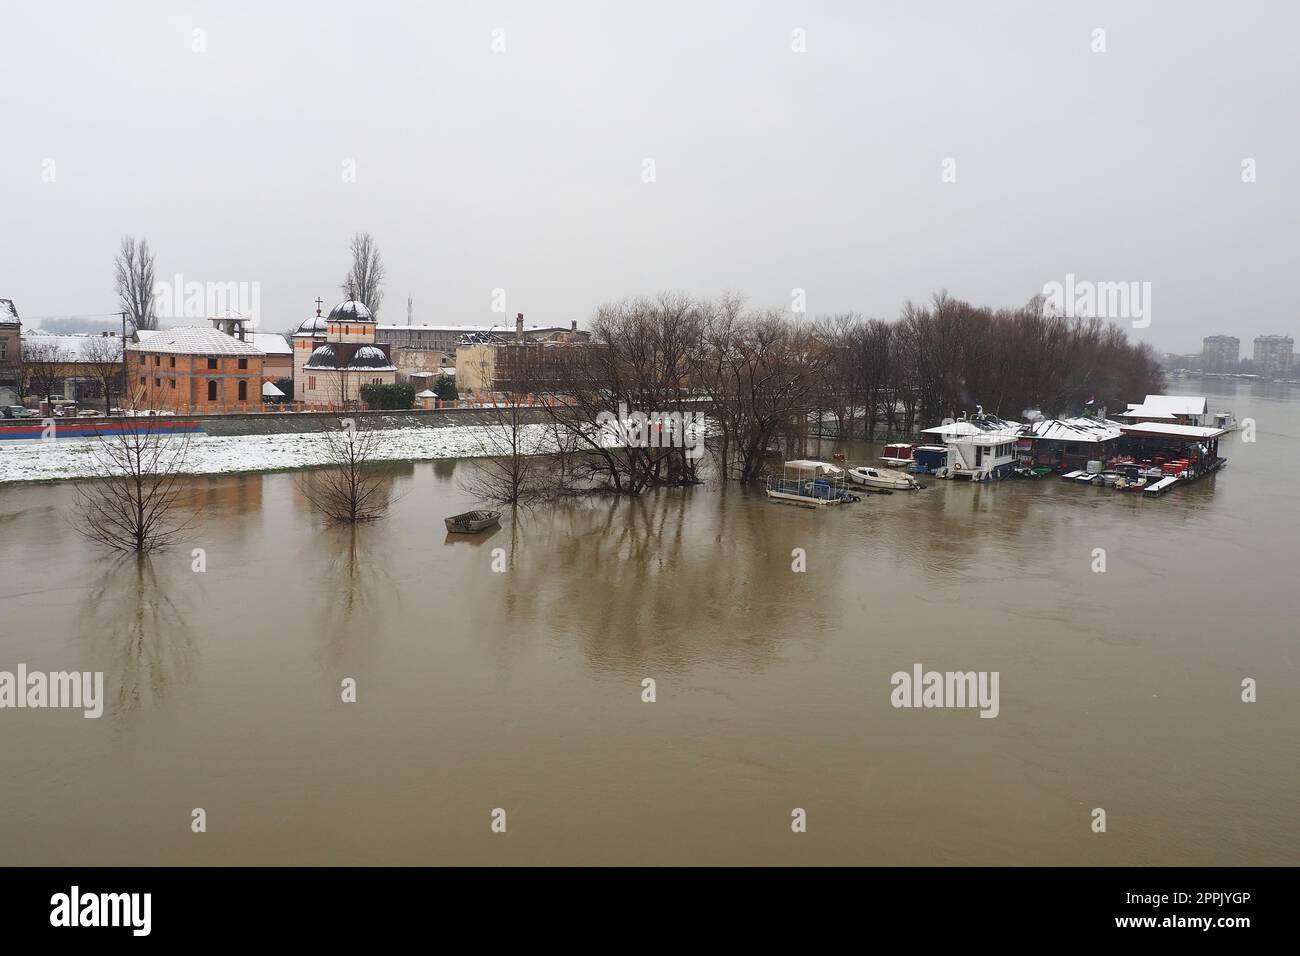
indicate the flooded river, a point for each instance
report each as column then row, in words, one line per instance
column 522, row 689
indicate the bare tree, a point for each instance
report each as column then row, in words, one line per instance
column 101, row 359
column 134, row 272
column 353, row 486
column 131, row 504
column 624, row 402
column 365, row 279
column 509, row 471
column 45, row 365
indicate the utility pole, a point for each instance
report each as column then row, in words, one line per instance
column 122, row 394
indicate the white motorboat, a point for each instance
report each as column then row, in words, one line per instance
column 871, row 477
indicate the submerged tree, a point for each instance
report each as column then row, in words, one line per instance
column 133, row 271
column 353, row 486
column 510, row 471
column 131, row 504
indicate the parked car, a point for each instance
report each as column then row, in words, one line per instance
column 18, row 411
column 89, row 413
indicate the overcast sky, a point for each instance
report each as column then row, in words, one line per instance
column 774, row 170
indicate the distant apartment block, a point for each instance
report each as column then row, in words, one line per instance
column 1274, row 355
column 1220, row 353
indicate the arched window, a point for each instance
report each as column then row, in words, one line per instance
column 212, row 391
column 243, row 390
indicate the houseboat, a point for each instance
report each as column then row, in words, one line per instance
column 979, row 447
column 814, row 483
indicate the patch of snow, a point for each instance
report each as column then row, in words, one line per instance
column 211, row 455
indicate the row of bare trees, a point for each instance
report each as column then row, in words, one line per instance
column 762, row 377
column 47, row 365
column 948, row 356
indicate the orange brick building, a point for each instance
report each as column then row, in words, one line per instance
column 194, row 372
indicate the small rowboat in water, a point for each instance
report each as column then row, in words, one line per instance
column 472, row 522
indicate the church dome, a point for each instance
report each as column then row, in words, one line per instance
column 368, row 356
column 322, row 357
column 350, row 311
column 317, row 323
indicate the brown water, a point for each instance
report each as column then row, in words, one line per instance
column 522, row 690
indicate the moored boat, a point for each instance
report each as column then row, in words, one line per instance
column 871, row 477
column 898, row 455
column 472, row 522
column 808, row 482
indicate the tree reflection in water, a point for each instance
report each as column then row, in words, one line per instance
column 140, row 633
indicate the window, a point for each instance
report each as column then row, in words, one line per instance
column 243, row 363
column 141, row 379
column 171, row 361
column 212, row 388
column 212, row 363
column 157, row 360
column 157, row 383
column 311, row 381
column 243, row 388
column 171, row 382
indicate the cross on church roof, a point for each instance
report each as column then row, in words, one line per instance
column 319, row 303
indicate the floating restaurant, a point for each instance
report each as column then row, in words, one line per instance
column 1150, row 447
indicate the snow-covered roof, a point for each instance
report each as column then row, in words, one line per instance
column 1074, row 429
column 76, row 346
column 316, row 323
column 1142, row 411
column 351, row 311
column 1174, row 430
column 191, row 341
column 269, row 390
column 370, row 357
column 807, row 464
column 981, row 429
column 1167, row 406
column 427, row 393
column 8, row 312
column 272, row 343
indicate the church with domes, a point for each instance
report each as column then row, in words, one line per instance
column 335, row 355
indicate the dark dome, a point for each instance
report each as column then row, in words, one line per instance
column 368, row 356
column 350, row 311
column 317, row 323
column 322, row 357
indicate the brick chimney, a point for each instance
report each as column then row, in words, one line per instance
column 519, row 327
column 574, row 326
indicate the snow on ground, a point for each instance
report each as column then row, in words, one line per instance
column 210, row 455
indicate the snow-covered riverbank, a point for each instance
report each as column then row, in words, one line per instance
column 208, row 455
